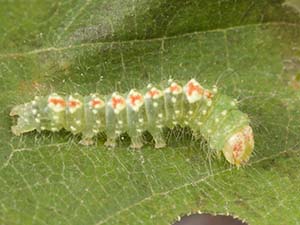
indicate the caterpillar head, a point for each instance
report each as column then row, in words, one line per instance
column 239, row 146
column 25, row 121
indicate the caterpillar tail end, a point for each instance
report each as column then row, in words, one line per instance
column 239, row 146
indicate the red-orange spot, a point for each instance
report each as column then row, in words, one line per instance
column 191, row 88
column 237, row 148
column 116, row 101
column 174, row 88
column 208, row 94
column 73, row 103
column 248, row 136
column 153, row 92
column 57, row 101
column 134, row 98
column 96, row 102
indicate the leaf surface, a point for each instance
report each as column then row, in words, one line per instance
column 250, row 49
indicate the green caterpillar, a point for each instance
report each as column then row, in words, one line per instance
column 214, row 115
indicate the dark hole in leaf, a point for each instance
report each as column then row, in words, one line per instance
column 207, row 219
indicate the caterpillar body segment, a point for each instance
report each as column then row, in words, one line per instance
column 215, row 116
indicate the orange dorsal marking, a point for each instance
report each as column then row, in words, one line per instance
column 174, row 88
column 248, row 136
column 208, row 94
column 192, row 88
column 116, row 101
column 153, row 93
column 134, row 98
column 73, row 103
column 57, row 101
column 96, row 102
column 237, row 149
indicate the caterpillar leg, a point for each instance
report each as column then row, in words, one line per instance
column 87, row 137
column 86, row 141
column 159, row 140
column 22, row 127
column 136, row 142
column 111, row 142
column 16, row 130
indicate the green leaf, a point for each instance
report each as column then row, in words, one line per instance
column 249, row 48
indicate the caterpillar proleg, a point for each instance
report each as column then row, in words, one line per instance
column 214, row 115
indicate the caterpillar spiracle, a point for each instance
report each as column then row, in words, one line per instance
column 214, row 115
